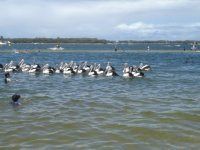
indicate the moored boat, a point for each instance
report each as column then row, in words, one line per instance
column 57, row 47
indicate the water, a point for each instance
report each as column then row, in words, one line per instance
column 131, row 46
column 159, row 111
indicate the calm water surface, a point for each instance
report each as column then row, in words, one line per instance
column 159, row 111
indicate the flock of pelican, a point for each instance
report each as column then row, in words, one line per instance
column 72, row 68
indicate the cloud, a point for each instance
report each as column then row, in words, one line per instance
column 163, row 31
column 88, row 8
column 137, row 27
column 109, row 19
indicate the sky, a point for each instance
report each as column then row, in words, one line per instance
column 102, row 19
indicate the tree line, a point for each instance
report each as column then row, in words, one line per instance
column 91, row 40
column 55, row 40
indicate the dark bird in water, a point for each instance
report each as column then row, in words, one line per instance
column 7, row 77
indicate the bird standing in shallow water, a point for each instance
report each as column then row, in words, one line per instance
column 7, row 77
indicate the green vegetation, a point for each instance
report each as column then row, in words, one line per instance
column 55, row 40
column 90, row 40
column 161, row 41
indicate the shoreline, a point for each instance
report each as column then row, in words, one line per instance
column 95, row 51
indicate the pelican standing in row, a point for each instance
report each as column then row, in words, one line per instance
column 110, row 71
column 127, row 71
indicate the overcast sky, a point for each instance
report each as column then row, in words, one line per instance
column 103, row 19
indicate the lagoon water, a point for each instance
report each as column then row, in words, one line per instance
column 159, row 111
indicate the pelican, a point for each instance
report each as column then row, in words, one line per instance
column 60, row 68
column 34, row 68
column 110, row 71
column 136, row 72
column 85, row 66
column 127, row 72
column 80, row 70
column 10, row 67
column 46, row 69
column 99, row 70
column 92, row 72
column 144, row 67
column 68, row 69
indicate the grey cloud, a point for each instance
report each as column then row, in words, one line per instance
column 96, row 18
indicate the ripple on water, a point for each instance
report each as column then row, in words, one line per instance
column 158, row 111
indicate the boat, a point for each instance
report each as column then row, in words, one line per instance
column 57, row 47
column 3, row 43
column 177, row 45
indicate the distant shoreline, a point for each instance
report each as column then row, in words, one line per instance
column 92, row 41
column 96, row 51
